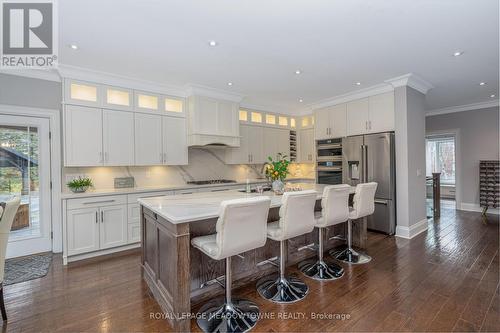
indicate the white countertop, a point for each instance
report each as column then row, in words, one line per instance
column 205, row 205
column 116, row 191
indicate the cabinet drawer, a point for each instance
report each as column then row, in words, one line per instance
column 132, row 198
column 134, row 233
column 110, row 200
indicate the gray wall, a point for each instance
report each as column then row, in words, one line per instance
column 24, row 91
column 410, row 158
column 478, row 140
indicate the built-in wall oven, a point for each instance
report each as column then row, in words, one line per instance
column 329, row 161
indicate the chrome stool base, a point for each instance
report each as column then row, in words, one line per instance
column 350, row 256
column 320, row 270
column 282, row 290
column 238, row 316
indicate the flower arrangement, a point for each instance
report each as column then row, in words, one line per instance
column 80, row 185
column 277, row 170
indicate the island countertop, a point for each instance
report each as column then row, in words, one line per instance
column 205, row 205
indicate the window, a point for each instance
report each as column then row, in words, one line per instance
column 440, row 157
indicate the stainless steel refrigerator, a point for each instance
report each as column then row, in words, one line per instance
column 371, row 158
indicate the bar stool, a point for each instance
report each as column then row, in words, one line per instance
column 363, row 205
column 241, row 227
column 296, row 218
column 335, row 210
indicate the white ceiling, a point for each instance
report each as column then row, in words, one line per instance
column 263, row 42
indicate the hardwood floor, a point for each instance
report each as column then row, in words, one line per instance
column 446, row 279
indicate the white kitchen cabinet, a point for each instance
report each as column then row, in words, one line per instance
column 113, row 226
column 322, row 127
column 357, row 116
column 306, row 146
column 276, row 141
column 82, row 230
column 371, row 115
column 134, row 233
column 118, row 137
column 251, row 147
column 256, row 145
column 330, row 122
column 381, row 113
column 213, row 121
column 82, row 136
column 174, row 136
column 148, row 139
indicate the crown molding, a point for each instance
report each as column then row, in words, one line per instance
column 85, row 74
column 197, row 89
column 411, row 80
column 460, row 108
column 351, row 96
column 47, row 75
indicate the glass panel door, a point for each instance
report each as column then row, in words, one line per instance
column 25, row 172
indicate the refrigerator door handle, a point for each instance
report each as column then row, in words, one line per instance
column 364, row 163
column 382, row 202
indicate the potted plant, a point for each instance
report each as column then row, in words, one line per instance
column 276, row 171
column 80, row 184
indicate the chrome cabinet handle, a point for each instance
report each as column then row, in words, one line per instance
column 97, row 202
column 102, row 217
column 96, row 217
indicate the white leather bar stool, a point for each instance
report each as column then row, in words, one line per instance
column 296, row 218
column 241, row 227
column 334, row 210
column 363, row 205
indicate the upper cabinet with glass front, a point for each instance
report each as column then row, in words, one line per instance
column 82, row 93
column 117, row 98
column 146, row 101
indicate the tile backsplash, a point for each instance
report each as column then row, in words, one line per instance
column 203, row 164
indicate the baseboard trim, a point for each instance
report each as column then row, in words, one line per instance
column 89, row 255
column 411, row 231
column 473, row 207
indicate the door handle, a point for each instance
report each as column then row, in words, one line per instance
column 102, row 217
column 96, row 217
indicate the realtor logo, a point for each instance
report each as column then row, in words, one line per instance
column 28, row 34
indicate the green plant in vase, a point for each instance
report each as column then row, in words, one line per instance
column 276, row 171
column 80, row 184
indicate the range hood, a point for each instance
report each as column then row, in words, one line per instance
column 213, row 122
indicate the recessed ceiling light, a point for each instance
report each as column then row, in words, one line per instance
column 458, row 53
column 212, row 43
column 74, row 46
column 358, row 83
column 482, row 83
column 229, row 83
column 298, row 71
column 492, row 96
column 300, row 100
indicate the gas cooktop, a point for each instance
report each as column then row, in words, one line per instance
column 213, row 181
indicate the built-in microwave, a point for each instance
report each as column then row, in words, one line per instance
column 329, row 161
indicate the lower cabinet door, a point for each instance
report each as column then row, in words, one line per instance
column 134, row 233
column 82, row 230
column 113, row 226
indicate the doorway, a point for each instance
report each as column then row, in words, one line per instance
column 441, row 157
column 25, row 172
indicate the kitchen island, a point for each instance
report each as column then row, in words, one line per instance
column 180, row 276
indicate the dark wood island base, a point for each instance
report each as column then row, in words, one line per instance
column 177, row 274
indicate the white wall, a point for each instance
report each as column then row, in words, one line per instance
column 478, row 132
column 23, row 91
